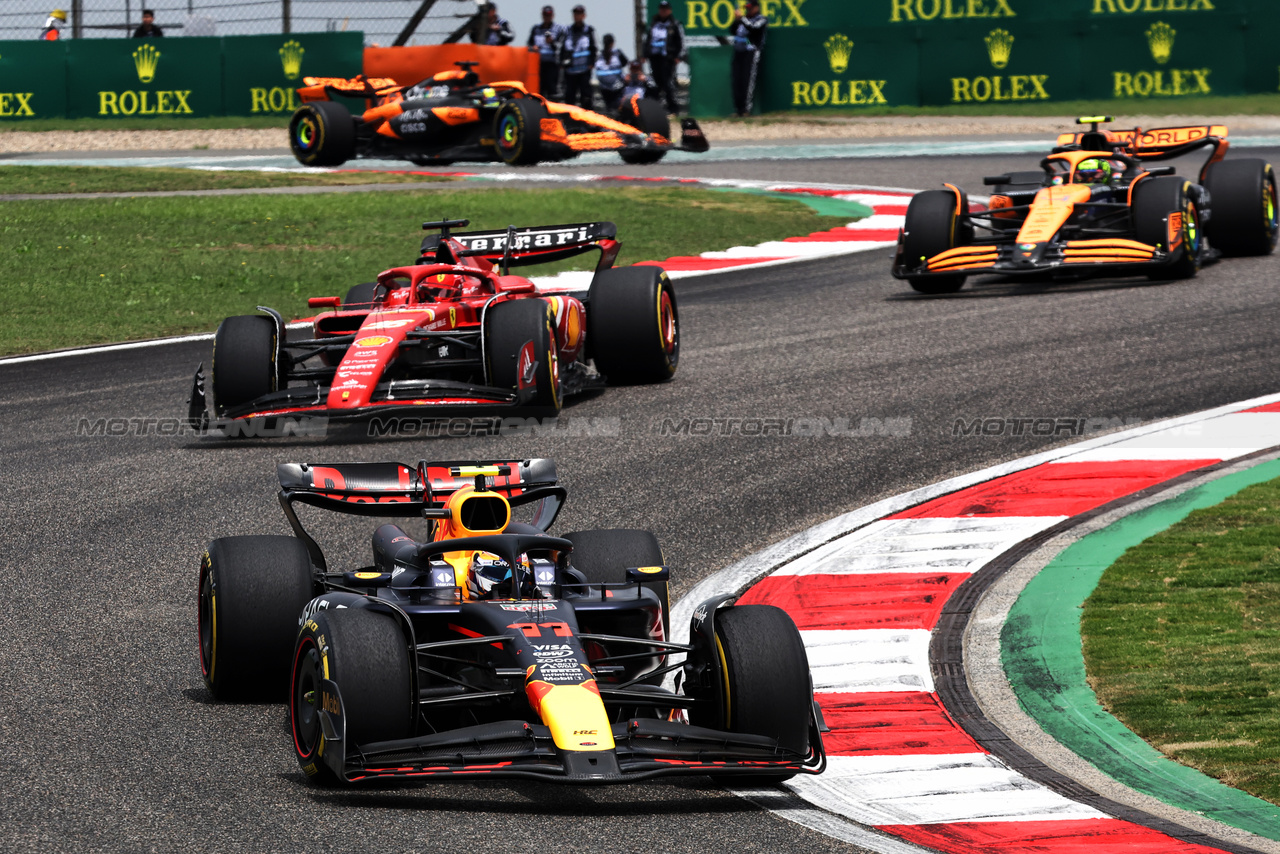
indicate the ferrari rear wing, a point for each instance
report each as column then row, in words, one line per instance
column 534, row 245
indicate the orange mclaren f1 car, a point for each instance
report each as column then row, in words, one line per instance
column 453, row 116
column 1096, row 208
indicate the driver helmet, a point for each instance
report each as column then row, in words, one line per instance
column 489, row 97
column 1094, row 170
column 489, row 577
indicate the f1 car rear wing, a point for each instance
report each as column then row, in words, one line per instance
column 397, row 490
column 535, row 245
column 324, row 88
column 1155, row 144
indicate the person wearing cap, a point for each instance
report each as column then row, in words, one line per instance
column 546, row 38
column 637, row 83
column 609, row 70
column 748, row 31
column 664, row 45
column 148, row 28
column 494, row 30
column 53, row 26
column 578, row 55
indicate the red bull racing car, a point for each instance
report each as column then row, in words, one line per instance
column 1096, row 207
column 455, row 333
column 452, row 116
column 488, row 647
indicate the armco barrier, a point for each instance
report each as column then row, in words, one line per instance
column 847, row 54
column 113, row 78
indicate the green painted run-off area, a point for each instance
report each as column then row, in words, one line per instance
column 1042, row 655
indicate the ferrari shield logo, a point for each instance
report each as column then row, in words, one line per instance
column 453, row 317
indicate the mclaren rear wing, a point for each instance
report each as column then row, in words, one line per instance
column 535, row 245
column 397, row 490
column 1155, row 144
column 325, row 88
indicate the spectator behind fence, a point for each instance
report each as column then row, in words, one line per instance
column 637, row 84
column 494, row 30
column 547, row 38
column 748, row 30
column 609, row 70
column 148, row 27
column 53, row 26
column 664, row 45
column 578, row 56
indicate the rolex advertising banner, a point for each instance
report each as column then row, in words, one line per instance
column 179, row 76
column 114, row 78
column 33, row 80
column 852, row 54
column 261, row 74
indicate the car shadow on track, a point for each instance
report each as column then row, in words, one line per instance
column 412, row 428
column 537, row 798
column 994, row 286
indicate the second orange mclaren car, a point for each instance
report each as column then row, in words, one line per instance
column 452, row 116
column 1096, row 208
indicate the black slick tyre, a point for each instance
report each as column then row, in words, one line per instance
column 366, row 655
column 360, row 296
column 508, row 328
column 245, row 367
column 766, row 683
column 648, row 116
column 322, row 133
column 251, row 591
column 1242, row 199
column 1155, row 201
column 633, row 325
column 603, row 555
column 932, row 226
column 517, row 131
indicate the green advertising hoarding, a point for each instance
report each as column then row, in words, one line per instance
column 114, row 78
column 169, row 77
column 261, row 74
column 849, row 54
column 33, row 80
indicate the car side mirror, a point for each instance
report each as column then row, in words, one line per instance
column 992, row 180
column 324, row 302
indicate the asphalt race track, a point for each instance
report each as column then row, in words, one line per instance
column 108, row 739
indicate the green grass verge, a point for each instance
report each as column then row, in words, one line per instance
column 1234, row 105
column 91, row 271
column 1182, row 640
column 16, row 178
column 205, row 123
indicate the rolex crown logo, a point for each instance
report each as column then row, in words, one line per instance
column 838, row 49
column 1160, row 38
column 145, row 59
column 999, row 47
column 291, row 58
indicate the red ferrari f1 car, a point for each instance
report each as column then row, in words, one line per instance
column 453, row 333
column 488, row 648
column 452, row 116
column 1096, row 208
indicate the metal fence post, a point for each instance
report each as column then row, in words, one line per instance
column 286, row 12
